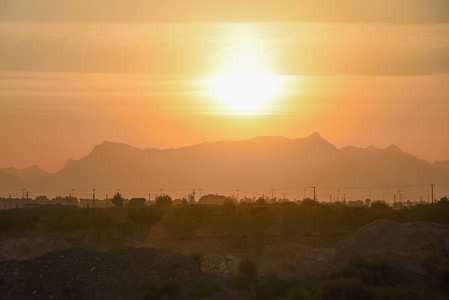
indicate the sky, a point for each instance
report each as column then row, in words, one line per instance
column 168, row 74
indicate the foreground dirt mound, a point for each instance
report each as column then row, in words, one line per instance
column 420, row 246
column 34, row 246
column 130, row 273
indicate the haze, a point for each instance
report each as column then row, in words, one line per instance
column 76, row 73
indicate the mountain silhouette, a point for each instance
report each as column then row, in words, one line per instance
column 261, row 163
column 29, row 174
column 396, row 166
column 11, row 184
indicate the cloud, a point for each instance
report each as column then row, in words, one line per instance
column 205, row 48
column 396, row 11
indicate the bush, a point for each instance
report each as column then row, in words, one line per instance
column 187, row 220
column 200, row 288
column 164, row 200
column 347, row 289
column 443, row 283
column 161, row 290
column 118, row 200
column 392, row 294
column 247, row 267
column 7, row 224
column 271, row 286
column 376, row 272
column 198, row 257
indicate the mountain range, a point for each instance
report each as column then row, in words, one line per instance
column 258, row 164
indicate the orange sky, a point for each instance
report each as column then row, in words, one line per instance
column 357, row 77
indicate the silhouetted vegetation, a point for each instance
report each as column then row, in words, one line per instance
column 253, row 221
column 163, row 200
column 252, row 224
column 118, row 200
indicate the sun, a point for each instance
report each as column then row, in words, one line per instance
column 245, row 91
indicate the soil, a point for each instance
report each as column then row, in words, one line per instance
column 69, row 271
column 129, row 273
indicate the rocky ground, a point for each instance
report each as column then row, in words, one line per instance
column 65, row 272
column 128, row 273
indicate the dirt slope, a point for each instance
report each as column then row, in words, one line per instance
column 129, row 273
column 420, row 246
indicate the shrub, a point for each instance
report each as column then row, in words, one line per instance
column 164, row 200
column 161, row 290
column 271, row 285
column 7, row 224
column 247, row 267
column 187, row 220
column 376, row 272
column 347, row 289
column 118, row 200
column 200, row 288
column 198, row 257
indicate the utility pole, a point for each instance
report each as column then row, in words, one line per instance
column 314, row 198
column 27, row 197
column 330, row 198
column 237, row 195
column 431, row 188
column 284, row 197
column 344, row 198
column 272, row 194
column 400, row 196
column 93, row 199
column 193, row 195
column 338, row 197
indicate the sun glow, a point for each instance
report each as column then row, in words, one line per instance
column 245, row 91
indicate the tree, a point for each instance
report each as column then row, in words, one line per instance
column 261, row 201
column 164, row 200
column 143, row 219
column 187, row 220
column 42, row 200
column 118, row 200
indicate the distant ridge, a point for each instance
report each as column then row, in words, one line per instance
column 28, row 174
column 256, row 164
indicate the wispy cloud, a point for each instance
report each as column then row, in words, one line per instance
column 204, row 48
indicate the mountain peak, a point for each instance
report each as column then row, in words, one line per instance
column 315, row 135
column 316, row 140
column 112, row 146
column 395, row 149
